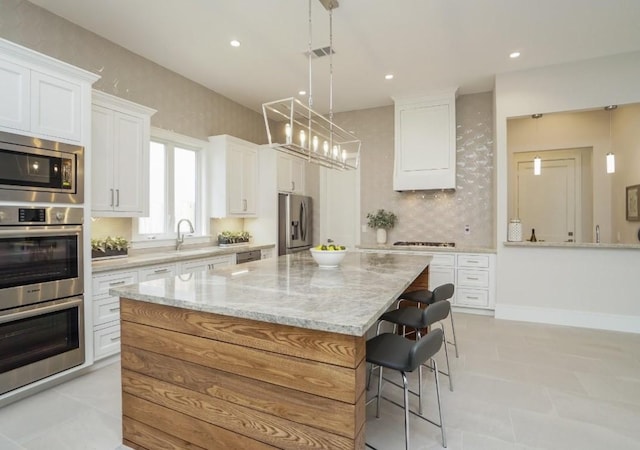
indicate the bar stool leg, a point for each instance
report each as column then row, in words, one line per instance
column 453, row 330
column 379, row 394
column 420, row 389
column 444, row 437
column 406, row 410
column 446, row 354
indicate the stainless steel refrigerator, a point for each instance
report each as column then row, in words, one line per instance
column 294, row 223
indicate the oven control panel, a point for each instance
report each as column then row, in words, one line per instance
column 32, row 215
column 53, row 215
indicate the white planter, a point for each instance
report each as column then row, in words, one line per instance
column 381, row 236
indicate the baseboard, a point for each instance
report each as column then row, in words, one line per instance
column 469, row 310
column 583, row 319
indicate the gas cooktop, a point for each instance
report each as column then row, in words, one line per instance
column 425, row 244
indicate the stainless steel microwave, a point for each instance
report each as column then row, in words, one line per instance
column 37, row 170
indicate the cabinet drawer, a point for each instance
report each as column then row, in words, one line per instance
column 473, row 261
column 102, row 283
column 472, row 297
column 106, row 310
column 473, row 278
column 106, row 341
column 155, row 272
column 443, row 260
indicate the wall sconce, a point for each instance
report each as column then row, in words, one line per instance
column 611, row 163
column 537, row 165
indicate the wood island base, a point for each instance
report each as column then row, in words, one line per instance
column 200, row 380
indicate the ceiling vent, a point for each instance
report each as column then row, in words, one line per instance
column 320, row 52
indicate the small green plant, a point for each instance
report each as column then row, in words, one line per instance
column 233, row 237
column 381, row 219
column 117, row 243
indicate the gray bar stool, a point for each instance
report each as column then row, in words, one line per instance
column 426, row 297
column 392, row 351
column 418, row 319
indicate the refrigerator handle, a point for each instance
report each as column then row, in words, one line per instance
column 303, row 221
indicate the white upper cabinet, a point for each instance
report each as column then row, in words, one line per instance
column 291, row 174
column 232, row 177
column 41, row 96
column 425, row 142
column 120, row 157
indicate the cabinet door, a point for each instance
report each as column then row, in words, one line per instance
column 297, row 175
column 285, row 182
column 157, row 272
column 55, row 107
column 14, row 96
column 250, row 180
column 235, row 179
column 102, row 191
column 440, row 275
column 131, row 168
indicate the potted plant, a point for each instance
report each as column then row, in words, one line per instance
column 110, row 247
column 381, row 221
column 227, row 238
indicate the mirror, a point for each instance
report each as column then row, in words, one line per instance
column 574, row 199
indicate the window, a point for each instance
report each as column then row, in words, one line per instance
column 174, row 187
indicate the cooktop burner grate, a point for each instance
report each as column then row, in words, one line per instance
column 425, row 244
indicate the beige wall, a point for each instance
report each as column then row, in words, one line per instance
column 430, row 215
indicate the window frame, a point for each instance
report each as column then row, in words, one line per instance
column 171, row 140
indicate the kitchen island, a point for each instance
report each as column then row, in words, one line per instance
column 270, row 354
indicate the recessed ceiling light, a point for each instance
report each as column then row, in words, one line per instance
column 303, row 92
column 235, row 43
column 514, row 55
column 388, row 76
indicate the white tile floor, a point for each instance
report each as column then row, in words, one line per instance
column 516, row 386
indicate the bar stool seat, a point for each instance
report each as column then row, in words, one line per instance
column 392, row 351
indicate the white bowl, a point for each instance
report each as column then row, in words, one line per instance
column 328, row 258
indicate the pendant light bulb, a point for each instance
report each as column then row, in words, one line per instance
column 303, row 138
column 315, row 144
column 611, row 163
column 287, row 132
column 537, row 165
column 325, row 148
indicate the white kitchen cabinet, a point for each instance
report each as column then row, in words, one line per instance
column 442, row 270
column 41, row 96
column 198, row 265
column 266, row 253
column 120, row 159
column 157, row 272
column 425, row 142
column 232, row 177
column 291, row 174
column 106, row 311
column 475, row 280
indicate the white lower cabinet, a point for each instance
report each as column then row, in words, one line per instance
column 198, row 265
column 156, row 272
column 106, row 311
column 475, row 280
column 266, row 253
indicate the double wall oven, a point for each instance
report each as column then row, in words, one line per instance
column 41, row 293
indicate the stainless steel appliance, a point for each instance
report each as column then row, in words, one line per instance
column 294, row 223
column 251, row 255
column 37, row 170
column 41, row 287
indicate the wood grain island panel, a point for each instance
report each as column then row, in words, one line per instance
column 193, row 378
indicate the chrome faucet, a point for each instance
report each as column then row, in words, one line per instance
column 180, row 239
column 597, row 234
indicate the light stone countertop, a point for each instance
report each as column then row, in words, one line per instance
column 572, row 245
column 419, row 248
column 292, row 290
column 168, row 256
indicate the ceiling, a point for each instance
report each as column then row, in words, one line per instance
column 428, row 45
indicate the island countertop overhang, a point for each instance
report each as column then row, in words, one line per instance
column 292, row 290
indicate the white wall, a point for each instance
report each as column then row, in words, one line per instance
column 588, row 287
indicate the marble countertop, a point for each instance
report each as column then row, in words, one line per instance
column 292, row 290
column 416, row 248
column 167, row 256
column 572, row 245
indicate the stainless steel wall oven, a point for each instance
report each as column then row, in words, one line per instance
column 41, row 293
column 33, row 169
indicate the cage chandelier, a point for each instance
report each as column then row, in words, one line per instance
column 296, row 129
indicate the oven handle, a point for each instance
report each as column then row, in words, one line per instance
column 65, row 230
column 37, row 310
